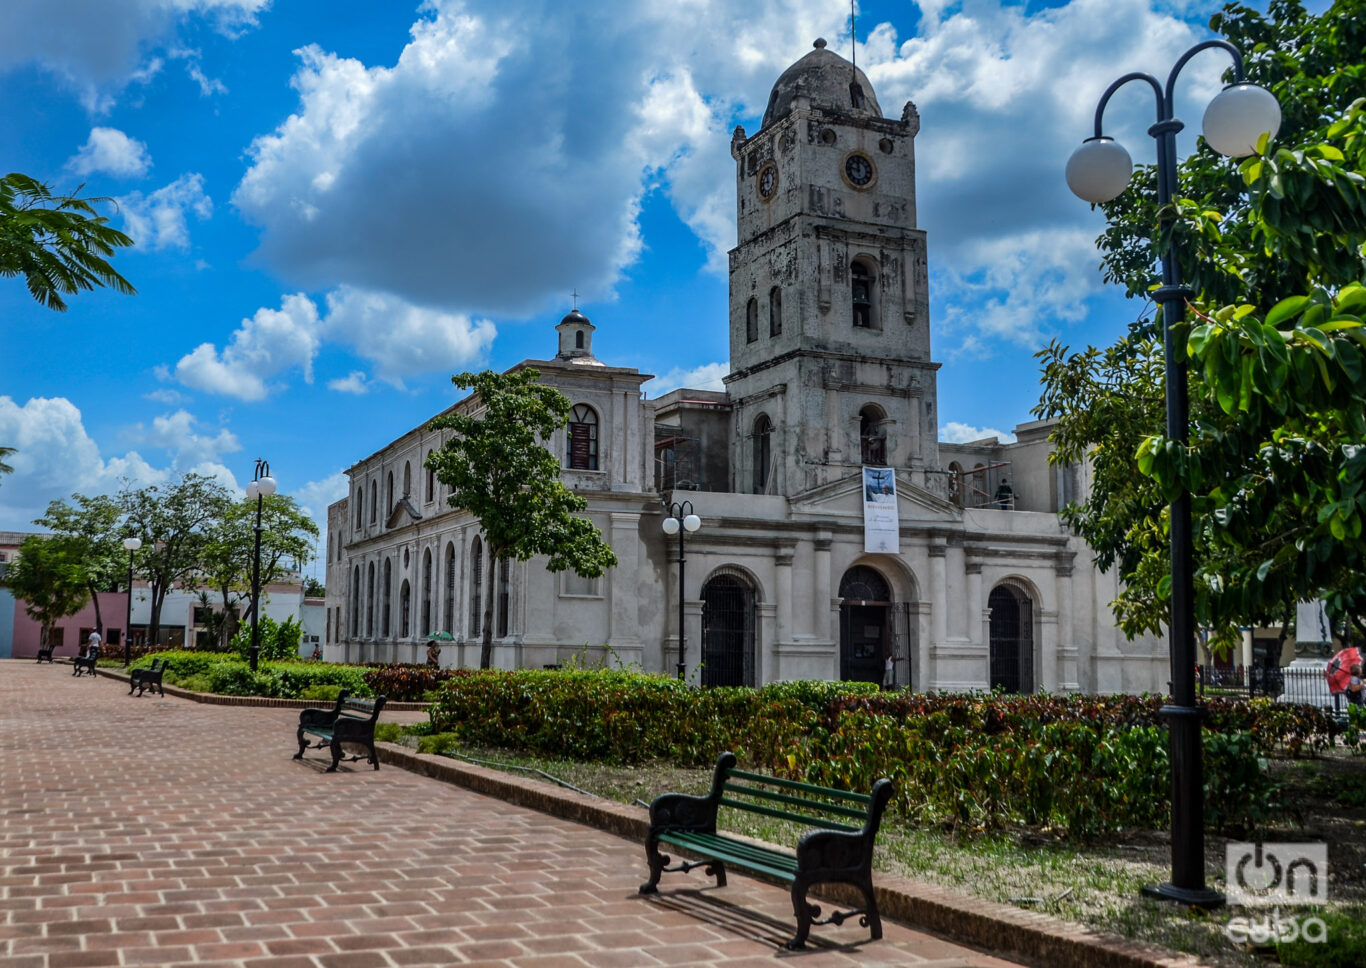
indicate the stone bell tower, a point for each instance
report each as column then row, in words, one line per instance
column 829, row 309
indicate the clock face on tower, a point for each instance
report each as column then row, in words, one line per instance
column 858, row 170
column 767, row 182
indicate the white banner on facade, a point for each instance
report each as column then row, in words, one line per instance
column 881, row 527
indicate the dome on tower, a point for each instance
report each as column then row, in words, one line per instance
column 827, row 81
column 576, row 339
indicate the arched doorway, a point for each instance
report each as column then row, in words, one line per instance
column 1012, row 639
column 727, row 632
column 865, row 624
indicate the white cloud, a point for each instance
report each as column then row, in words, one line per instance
column 172, row 398
column 111, row 151
column 961, row 433
column 353, row 382
column 705, row 377
column 270, row 342
column 315, row 496
column 158, row 220
column 55, row 457
column 399, row 339
column 175, row 432
column 402, row 339
column 207, row 85
column 97, row 49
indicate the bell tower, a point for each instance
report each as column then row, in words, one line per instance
column 829, row 308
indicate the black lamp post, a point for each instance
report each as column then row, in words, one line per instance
column 262, row 484
column 681, row 520
column 1098, row 171
column 132, row 544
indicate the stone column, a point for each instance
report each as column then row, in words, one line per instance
column 782, row 594
column 979, row 620
column 822, row 589
column 623, row 616
column 939, row 614
column 1051, row 676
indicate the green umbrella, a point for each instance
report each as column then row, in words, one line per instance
column 443, row 637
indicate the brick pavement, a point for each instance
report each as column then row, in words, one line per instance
column 151, row 831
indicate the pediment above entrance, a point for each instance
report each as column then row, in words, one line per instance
column 404, row 512
column 845, row 497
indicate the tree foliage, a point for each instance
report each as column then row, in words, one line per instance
column 499, row 471
column 60, row 244
column 5, row 454
column 175, row 522
column 91, row 527
column 1275, row 249
column 48, row 577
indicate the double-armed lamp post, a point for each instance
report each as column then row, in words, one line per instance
column 261, row 486
column 132, row 545
column 1097, row 172
column 680, row 521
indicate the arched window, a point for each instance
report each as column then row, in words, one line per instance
column 751, row 320
column 389, row 497
column 387, row 598
column 404, row 611
column 504, row 595
column 450, row 587
column 578, row 340
column 956, row 483
column 727, row 632
column 763, row 434
column 582, row 437
column 370, row 601
column 775, row 311
column 426, row 625
column 374, row 500
column 861, row 293
column 431, row 479
column 360, row 506
column 476, row 586
column 872, row 436
column 407, row 479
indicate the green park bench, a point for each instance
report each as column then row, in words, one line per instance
column 149, row 678
column 351, row 720
column 839, row 852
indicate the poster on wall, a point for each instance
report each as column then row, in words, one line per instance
column 881, row 528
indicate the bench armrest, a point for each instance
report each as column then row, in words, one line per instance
column 679, row 811
column 834, row 850
column 349, row 728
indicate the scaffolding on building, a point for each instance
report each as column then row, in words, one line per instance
column 984, row 486
column 678, row 464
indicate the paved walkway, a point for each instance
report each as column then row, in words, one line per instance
column 150, row 831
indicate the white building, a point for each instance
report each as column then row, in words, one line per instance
column 831, row 373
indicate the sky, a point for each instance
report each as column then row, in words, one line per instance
column 337, row 204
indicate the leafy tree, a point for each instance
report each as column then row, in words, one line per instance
column 6, row 452
column 48, row 577
column 93, row 532
column 498, row 470
column 60, row 244
column 174, row 522
column 279, row 641
column 287, row 535
column 313, row 588
column 1275, row 249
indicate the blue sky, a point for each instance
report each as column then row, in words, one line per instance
column 337, row 204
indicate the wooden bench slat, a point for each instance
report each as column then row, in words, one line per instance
column 777, row 814
column 834, row 808
column 765, row 862
column 811, row 788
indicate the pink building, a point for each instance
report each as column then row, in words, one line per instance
column 70, row 633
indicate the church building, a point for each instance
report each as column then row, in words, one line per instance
column 836, row 530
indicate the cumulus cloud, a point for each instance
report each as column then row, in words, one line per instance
column 97, row 49
column 353, row 382
column 705, row 377
column 175, row 432
column 315, row 496
column 516, row 139
column 271, row 341
column 158, row 220
column 56, row 457
column 961, row 433
column 111, row 151
column 399, row 339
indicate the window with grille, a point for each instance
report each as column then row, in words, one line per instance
column 861, row 292
column 872, row 436
column 751, row 321
column 504, row 595
column 476, row 586
column 763, row 435
column 775, row 311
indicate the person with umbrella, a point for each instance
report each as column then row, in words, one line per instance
column 1342, row 669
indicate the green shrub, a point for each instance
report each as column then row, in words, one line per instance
column 278, row 641
column 320, row 693
column 438, row 743
column 388, row 732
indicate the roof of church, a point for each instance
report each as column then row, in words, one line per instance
column 824, row 77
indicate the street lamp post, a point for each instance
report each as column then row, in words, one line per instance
column 680, row 521
column 1097, row 172
column 261, row 486
column 132, row 544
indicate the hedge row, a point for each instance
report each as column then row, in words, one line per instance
column 227, row 675
column 1081, row 765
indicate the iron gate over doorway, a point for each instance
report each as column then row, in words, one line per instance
column 865, row 634
column 1012, row 640
column 727, row 632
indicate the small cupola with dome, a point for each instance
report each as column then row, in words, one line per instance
column 576, row 339
column 825, row 81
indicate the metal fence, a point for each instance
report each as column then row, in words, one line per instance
column 1287, row 685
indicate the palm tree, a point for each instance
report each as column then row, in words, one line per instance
column 5, row 452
